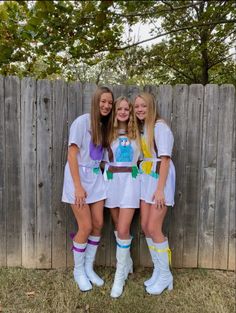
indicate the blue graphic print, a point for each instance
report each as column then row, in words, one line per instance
column 124, row 152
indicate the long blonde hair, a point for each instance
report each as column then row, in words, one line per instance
column 101, row 126
column 132, row 130
column 151, row 118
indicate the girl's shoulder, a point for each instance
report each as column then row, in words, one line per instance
column 83, row 119
column 161, row 124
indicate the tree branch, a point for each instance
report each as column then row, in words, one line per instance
column 175, row 31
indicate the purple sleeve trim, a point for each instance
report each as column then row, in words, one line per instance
column 92, row 242
column 78, row 249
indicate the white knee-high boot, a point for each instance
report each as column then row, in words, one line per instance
column 129, row 265
column 90, row 253
column 165, row 278
column 122, row 254
column 154, row 276
column 79, row 271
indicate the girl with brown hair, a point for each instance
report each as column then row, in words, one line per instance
column 84, row 186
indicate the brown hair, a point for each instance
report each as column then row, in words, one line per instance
column 131, row 124
column 150, row 120
column 101, row 126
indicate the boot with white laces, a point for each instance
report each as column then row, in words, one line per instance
column 154, row 276
column 122, row 254
column 79, row 271
column 165, row 278
column 90, row 254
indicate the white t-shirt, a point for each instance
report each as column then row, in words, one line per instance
column 123, row 189
column 164, row 141
column 89, row 157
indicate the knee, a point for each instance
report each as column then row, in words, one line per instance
column 123, row 233
column 97, row 225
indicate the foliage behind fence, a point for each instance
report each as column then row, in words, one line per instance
column 34, row 225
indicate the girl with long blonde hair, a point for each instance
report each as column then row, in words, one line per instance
column 123, row 186
column 157, row 187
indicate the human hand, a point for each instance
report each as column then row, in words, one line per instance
column 159, row 199
column 80, row 196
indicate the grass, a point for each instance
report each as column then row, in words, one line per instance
column 42, row 291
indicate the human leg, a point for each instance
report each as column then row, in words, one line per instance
column 93, row 242
column 83, row 218
column 124, row 263
column 145, row 213
column 161, row 250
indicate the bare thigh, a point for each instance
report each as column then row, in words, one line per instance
column 145, row 213
column 124, row 222
column 115, row 216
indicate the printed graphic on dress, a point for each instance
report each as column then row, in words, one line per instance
column 95, row 152
column 124, row 152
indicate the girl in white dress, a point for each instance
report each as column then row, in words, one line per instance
column 157, row 187
column 123, row 186
column 84, row 186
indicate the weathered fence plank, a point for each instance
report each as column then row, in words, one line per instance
column 3, row 210
column 59, row 130
column 74, row 109
column 232, row 218
column 179, row 122
column 12, row 167
column 193, row 160
column 44, row 172
column 28, row 173
column 223, row 176
column 208, row 176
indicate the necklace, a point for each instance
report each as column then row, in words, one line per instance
column 122, row 131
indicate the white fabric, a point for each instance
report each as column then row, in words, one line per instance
column 123, row 190
column 164, row 142
column 92, row 183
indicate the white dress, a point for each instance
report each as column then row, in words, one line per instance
column 164, row 141
column 89, row 157
column 123, row 188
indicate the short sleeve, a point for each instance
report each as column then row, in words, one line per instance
column 78, row 129
column 164, row 139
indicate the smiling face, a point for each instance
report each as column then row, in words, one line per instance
column 105, row 104
column 122, row 111
column 140, row 108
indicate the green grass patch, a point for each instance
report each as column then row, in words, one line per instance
column 42, row 291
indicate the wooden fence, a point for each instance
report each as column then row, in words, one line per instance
column 35, row 225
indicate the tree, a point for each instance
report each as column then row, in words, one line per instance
column 62, row 38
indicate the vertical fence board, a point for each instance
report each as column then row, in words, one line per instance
column 88, row 90
column 208, row 176
column 166, row 104
column 179, row 122
column 223, row 176
column 193, row 161
column 232, row 221
column 59, row 145
column 12, row 174
column 28, row 174
column 44, row 172
column 3, row 242
column 74, row 109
